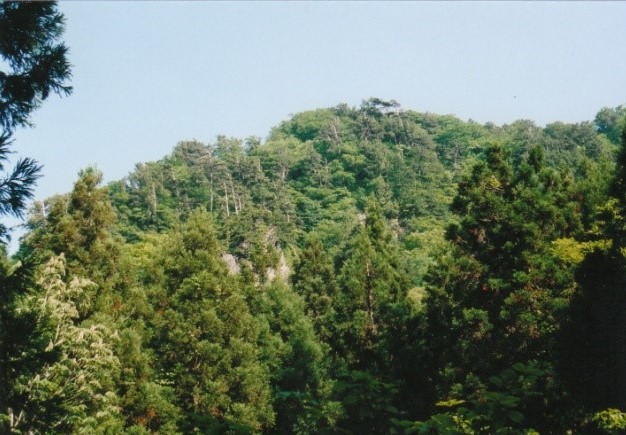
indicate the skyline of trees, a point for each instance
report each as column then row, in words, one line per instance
column 348, row 275
column 363, row 270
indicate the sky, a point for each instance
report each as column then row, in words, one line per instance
column 149, row 74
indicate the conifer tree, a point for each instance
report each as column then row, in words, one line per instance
column 314, row 279
column 496, row 301
column 34, row 65
column 372, row 314
column 373, row 287
column 79, row 227
column 20, row 341
column 298, row 363
column 593, row 343
column 205, row 336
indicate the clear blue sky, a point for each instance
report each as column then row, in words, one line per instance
column 149, row 74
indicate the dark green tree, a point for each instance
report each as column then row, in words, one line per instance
column 371, row 336
column 34, row 66
column 373, row 287
column 297, row 361
column 206, row 336
column 314, row 279
column 593, row 346
column 36, row 59
column 20, row 342
column 79, row 226
column 497, row 300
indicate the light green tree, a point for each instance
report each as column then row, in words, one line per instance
column 74, row 390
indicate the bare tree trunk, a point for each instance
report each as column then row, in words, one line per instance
column 240, row 203
column 226, row 198
column 232, row 188
column 211, row 187
column 153, row 200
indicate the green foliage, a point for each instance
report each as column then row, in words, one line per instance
column 592, row 354
column 205, row 335
column 499, row 297
column 36, row 59
column 35, row 64
column 77, row 225
column 20, row 341
column 74, row 391
column 296, row 358
column 368, row 402
column 314, row 279
column 612, row 421
column 611, row 122
column 16, row 187
column 363, row 270
column 373, row 294
column 495, row 408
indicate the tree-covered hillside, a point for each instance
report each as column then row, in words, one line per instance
column 362, row 270
column 317, row 171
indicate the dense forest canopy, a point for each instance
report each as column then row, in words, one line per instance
column 362, row 270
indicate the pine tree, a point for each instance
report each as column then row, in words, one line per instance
column 373, row 288
column 371, row 338
column 593, row 342
column 205, row 336
column 34, row 65
column 495, row 302
column 314, row 279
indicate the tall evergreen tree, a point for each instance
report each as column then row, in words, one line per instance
column 34, row 66
column 314, row 279
column 297, row 362
column 370, row 335
column 206, row 336
column 373, row 288
column 20, row 341
column 593, row 343
column 497, row 300
column 79, row 227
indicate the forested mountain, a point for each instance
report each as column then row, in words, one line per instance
column 361, row 270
